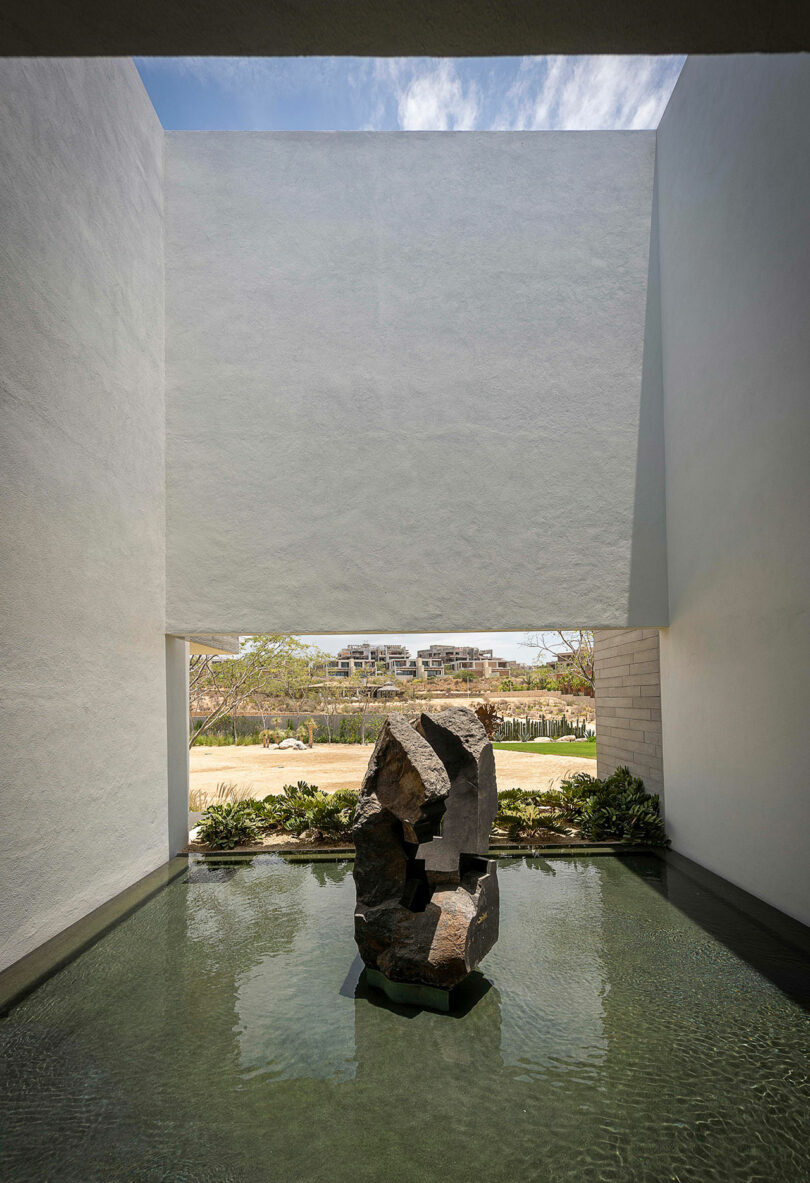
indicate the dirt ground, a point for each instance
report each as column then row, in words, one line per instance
column 541, row 698
column 259, row 771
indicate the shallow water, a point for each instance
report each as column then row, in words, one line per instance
column 214, row 1036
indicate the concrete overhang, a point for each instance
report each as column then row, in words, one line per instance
column 401, row 27
column 218, row 644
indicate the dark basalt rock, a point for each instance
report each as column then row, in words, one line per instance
column 427, row 895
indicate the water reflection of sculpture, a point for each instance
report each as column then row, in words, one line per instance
column 427, row 895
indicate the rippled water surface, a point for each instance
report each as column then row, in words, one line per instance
column 214, row 1036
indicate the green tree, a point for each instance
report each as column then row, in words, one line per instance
column 466, row 676
column 573, row 655
column 269, row 665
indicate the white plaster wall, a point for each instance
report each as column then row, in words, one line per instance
column 734, row 182
column 404, row 382
column 82, row 466
column 177, row 733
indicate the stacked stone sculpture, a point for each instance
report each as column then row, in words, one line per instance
column 427, row 895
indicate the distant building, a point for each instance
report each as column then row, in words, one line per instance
column 370, row 659
column 565, row 658
column 367, row 659
column 466, row 657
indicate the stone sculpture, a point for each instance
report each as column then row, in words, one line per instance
column 427, row 895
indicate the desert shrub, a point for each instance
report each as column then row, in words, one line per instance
column 225, row 791
column 349, row 729
column 300, row 790
column 374, row 724
column 489, row 717
column 290, row 807
column 523, row 813
column 302, row 807
column 298, row 808
column 224, row 826
column 197, row 800
column 466, row 676
column 529, row 796
column 326, row 817
column 222, row 739
column 265, row 812
column 347, row 797
column 250, row 738
column 346, row 800
column 617, row 807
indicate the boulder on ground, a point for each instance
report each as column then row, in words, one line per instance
column 292, row 745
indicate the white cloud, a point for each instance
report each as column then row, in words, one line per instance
column 436, row 100
column 433, row 94
column 588, row 93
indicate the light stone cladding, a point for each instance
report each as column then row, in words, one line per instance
column 628, row 704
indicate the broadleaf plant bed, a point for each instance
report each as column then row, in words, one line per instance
column 585, row 813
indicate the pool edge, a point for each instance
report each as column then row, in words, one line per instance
column 21, row 978
column 780, row 924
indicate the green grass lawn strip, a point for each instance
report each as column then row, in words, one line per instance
column 585, row 750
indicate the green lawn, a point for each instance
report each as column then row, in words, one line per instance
column 586, row 749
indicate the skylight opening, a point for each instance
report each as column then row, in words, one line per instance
column 555, row 93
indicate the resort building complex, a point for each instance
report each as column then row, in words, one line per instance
column 464, row 657
column 369, row 659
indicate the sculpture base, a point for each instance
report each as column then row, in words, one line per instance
column 410, row 993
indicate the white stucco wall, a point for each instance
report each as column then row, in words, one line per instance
column 82, row 466
column 404, row 382
column 734, row 180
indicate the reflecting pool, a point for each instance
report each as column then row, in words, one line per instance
column 620, row 1032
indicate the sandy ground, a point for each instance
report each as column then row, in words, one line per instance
column 342, row 766
column 549, row 698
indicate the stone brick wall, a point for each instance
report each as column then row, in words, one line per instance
column 628, row 704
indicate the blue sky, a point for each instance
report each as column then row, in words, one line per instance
column 410, row 94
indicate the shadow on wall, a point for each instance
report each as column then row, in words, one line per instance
column 648, row 595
